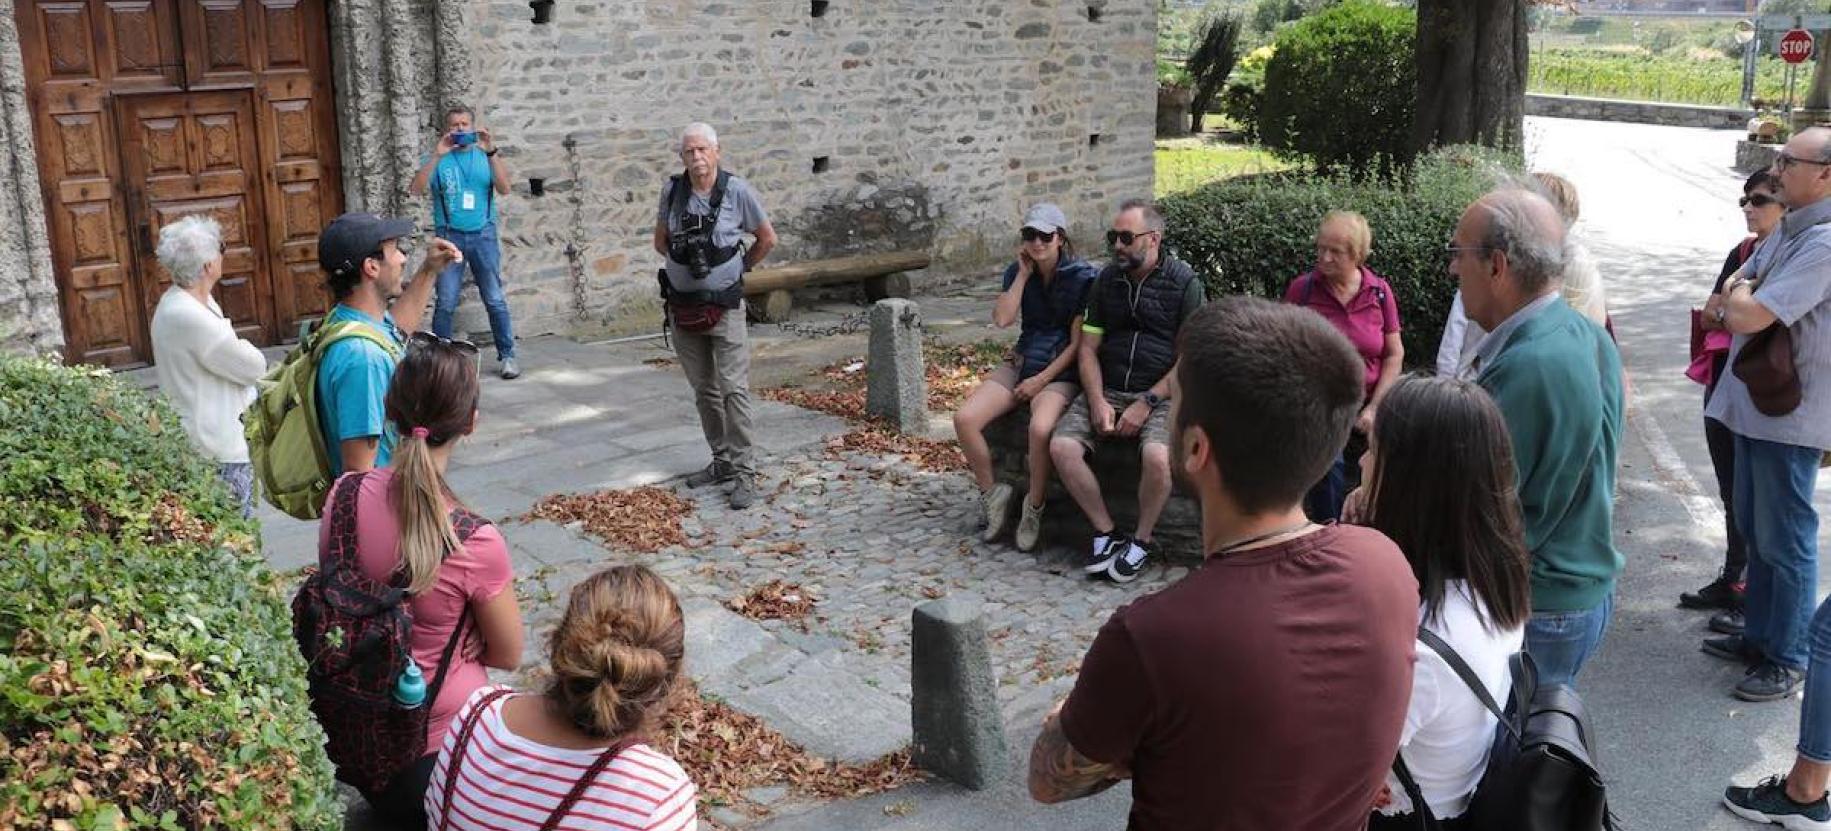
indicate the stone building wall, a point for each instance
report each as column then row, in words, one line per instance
column 28, row 292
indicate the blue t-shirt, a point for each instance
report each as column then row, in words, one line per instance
column 353, row 379
column 463, row 192
column 1048, row 310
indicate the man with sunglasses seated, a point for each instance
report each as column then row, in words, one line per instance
column 1135, row 309
column 363, row 265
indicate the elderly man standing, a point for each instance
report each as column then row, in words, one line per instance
column 705, row 213
column 205, row 369
column 1557, row 378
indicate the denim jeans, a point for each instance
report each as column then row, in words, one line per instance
column 1815, row 712
column 1773, row 497
column 483, row 256
column 239, row 477
column 1560, row 642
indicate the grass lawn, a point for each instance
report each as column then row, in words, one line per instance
column 1183, row 164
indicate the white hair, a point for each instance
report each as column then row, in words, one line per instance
column 189, row 245
column 701, row 129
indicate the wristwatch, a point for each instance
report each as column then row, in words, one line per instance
column 491, row 152
column 1152, row 399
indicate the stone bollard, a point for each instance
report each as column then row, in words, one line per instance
column 953, row 705
column 894, row 386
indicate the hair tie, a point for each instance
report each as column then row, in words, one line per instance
column 421, row 433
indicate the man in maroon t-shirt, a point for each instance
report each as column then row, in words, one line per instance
column 1265, row 690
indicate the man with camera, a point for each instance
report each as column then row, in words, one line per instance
column 465, row 177
column 705, row 213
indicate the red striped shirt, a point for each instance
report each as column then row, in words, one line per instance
column 510, row 783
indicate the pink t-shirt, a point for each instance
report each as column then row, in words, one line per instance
column 474, row 575
column 1367, row 319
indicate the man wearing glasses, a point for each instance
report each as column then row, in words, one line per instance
column 1128, row 351
column 1556, row 376
column 363, row 265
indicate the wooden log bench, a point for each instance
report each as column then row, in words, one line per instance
column 883, row 276
column 1116, row 464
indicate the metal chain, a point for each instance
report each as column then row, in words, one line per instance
column 846, row 326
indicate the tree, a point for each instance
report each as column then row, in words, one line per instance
column 1217, row 41
column 1471, row 62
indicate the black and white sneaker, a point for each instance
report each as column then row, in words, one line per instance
column 1768, row 802
column 1130, row 562
column 1106, row 548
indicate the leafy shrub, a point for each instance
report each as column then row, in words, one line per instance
column 148, row 677
column 1251, row 235
column 1587, row 25
column 1339, row 89
column 1245, row 89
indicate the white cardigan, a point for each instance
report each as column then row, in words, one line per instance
column 207, row 371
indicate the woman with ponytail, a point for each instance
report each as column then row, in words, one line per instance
column 574, row 758
column 412, row 531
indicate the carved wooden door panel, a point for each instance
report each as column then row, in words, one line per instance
column 194, row 153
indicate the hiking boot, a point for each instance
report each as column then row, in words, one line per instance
column 1768, row 681
column 510, row 369
column 716, row 473
column 1729, row 623
column 1768, row 803
column 1717, row 594
column 1106, row 548
column 997, row 504
column 1029, row 527
column 1731, row 648
column 1126, row 567
column 744, row 494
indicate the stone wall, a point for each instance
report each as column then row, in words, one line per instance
column 1753, row 156
column 934, row 123
column 29, row 322
column 1638, row 112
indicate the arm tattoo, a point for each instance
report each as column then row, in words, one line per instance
column 1059, row 773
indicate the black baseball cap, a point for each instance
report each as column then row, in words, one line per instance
column 351, row 238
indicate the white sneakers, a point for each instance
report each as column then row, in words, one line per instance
column 997, row 511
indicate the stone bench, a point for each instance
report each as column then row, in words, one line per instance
column 882, row 274
column 1179, row 532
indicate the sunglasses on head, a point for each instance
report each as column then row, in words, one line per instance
column 1124, row 237
column 1033, row 235
column 1759, row 200
column 425, row 339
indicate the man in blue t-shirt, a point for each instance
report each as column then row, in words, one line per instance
column 465, row 176
column 363, row 263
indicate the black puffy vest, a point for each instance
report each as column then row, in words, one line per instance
column 1140, row 322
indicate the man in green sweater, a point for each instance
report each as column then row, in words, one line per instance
column 1557, row 378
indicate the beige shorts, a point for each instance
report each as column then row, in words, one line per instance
column 1006, row 376
column 1077, row 423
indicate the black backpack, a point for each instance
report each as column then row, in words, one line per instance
column 1540, row 775
column 354, row 634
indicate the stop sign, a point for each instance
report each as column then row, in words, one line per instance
column 1796, row 46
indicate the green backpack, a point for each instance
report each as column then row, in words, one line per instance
column 285, row 440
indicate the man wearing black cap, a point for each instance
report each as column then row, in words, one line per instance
column 363, row 263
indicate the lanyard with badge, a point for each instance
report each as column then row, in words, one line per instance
column 467, row 198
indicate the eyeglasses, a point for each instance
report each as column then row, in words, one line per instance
column 426, row 339
column 1452, row 250
column 1759, row 200
column 1124, row 237
column 1033, row 235
column 1786, row 160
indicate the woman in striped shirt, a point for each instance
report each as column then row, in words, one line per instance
column 573, row 758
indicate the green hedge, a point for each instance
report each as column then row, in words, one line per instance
column 1251, row 235
column 148, row 677
column 1339, row 88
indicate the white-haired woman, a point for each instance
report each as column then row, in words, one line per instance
column 205, row 369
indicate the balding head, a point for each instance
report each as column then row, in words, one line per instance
column 1527, row 228
column 1802, row 168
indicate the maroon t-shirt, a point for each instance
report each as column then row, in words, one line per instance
column 1264, row 691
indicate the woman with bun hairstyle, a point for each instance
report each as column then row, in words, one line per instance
column 574, row 757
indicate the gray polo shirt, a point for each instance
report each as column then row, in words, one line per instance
column 740, row 213
column 1794, row 267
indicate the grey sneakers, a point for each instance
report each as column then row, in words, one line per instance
column 510, row 369
column 716, row 473
column 997, row 503
column 1029, row 527
column 744, row 493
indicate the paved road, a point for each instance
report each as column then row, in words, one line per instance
column 1659, row 212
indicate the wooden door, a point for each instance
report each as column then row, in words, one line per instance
column 194, row 153
column 98, row 70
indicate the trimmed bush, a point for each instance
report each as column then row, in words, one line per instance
column 1251, row 235
column 148, row 677
column 1339, row 88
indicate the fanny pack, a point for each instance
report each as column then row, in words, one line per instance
column 699, row 311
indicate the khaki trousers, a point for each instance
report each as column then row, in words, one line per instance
column 717, row 364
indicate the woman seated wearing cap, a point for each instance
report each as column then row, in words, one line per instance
column 1360, row 304
column 1047, row 288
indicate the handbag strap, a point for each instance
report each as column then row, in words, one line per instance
column 578, row 788
column 341, row 550
column 456, row 759
column 1419, row 808
column 1468, row 676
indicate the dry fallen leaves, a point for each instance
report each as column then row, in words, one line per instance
column 774, row 600
column 726, row 752
column 928, row 454
column 952, row 371
column 643, row 519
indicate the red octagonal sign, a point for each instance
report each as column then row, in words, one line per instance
column 1796, row 46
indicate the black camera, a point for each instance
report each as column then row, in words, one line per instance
column 691, row 245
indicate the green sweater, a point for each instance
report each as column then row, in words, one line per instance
column 1557, row 379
